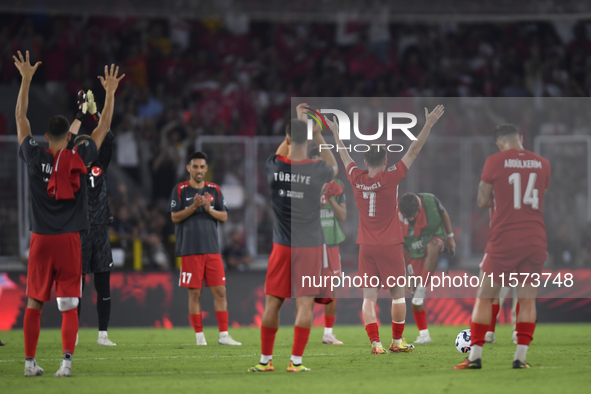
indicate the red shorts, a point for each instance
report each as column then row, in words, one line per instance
column 196, row 268
column 381, row 261
column 288, row 268
column 334, row 262
column 54, row 258
column 524, row 260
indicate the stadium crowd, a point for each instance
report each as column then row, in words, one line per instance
column 236, row 77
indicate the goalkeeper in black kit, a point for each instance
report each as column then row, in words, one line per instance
column 96, row 244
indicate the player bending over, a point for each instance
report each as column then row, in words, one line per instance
column 513, row 184
column 196, row 208
column 97, row 257
column 298, row 240
column 426, row 228
column 332, row 211
column 58, row 214
column 380, row 236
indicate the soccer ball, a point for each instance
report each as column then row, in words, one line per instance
column 463, row 341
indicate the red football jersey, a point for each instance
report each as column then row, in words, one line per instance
column 377, row 202
column 519, row 178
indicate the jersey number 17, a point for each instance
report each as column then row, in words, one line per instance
column 531, row 196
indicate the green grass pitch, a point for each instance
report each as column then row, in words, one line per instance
column 167, row 361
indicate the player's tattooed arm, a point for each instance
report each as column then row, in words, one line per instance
column 23, row 127
column 416, row 146
column 343, row 152
column 485, row 194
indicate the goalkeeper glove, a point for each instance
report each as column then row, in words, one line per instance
column 92, row 106
column 82, row 105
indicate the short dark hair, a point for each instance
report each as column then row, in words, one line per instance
column 81, row 138
column 297, row 130
column 197, row 155
column 504, row 130
column 313, row 152
column 58, row 127
column 375, row 156
column 409, row 205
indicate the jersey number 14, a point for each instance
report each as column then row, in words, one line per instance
column 531, row 196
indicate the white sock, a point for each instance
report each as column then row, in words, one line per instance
column 30, row 363
column 327, row 330
column 521, row 352
column 475, row 352
column 424, row 333
column 378, row 344
column 265, row 359
column 103, row 334
column 199, row 334
column 223, row 333
column 296, row 360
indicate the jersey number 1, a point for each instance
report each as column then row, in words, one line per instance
column 372, row 202
column 531, row 196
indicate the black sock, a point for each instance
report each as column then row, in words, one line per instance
column 80, row 299
column 102, row 284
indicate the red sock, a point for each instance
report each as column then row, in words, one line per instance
column 495, row 312
column 69, row 330
column 420, row 319
column 525, row 333
column 328, row 321
column 31, row 328
column 300, row 340
column 397, row 330
column 196, row 322
column 478, row 332
column 223, row 319
column 267, row 340
column 373, row 332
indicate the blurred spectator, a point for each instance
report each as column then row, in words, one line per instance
column 561, row 248
column 235, row 254
column 586, row 247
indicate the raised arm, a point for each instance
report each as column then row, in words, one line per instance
column 416, row 146
column 110, row 83
column 23, row 127
column 343, row 152
column 326, row 154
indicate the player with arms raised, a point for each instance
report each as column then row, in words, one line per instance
column 332, row 211
column 196, row 207
column 97, row 257
column 380, row 236
column 513, row 184
column 58, row 214
column 299, row 248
